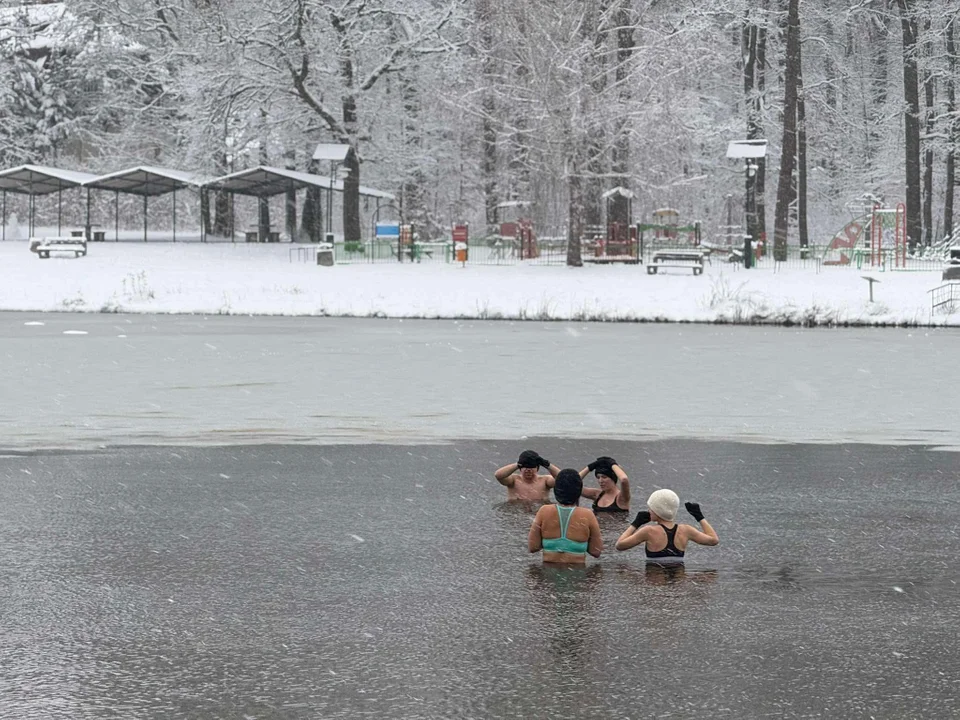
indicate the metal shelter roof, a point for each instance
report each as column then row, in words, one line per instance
column 145, row 180
column 264, row 181
column 41, row 180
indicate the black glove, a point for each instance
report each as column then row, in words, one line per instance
column 694, row 509
column 592, row 466
column 606, row 460
column 543, row 461
column 642, row 518
column 528, row 459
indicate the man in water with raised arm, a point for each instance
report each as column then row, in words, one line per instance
column 522, row 480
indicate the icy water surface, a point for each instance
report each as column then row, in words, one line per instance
column 80, row 381
column 392, row 581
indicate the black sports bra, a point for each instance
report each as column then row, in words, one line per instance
column 670, row 550
column 612, row 507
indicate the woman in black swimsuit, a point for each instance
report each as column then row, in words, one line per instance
column 608, row 497
column 663, row 539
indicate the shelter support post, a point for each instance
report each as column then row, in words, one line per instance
column 174, row 215
column 4, row 214
column 59, row 209
column 87, row 224
column 116, row 216
column 144, row 218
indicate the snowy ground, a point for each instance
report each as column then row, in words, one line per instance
column 265, row 279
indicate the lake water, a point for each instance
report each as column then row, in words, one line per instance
column 288, row 574
column 211, row 380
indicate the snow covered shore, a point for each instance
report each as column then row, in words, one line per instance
column 257, row 279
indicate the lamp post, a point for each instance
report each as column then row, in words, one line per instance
column 333, row 177
column 748, row 151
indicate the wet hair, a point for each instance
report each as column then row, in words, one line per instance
column 568, row 487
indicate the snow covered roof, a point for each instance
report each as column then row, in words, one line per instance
column 334, row 152
column 264, row 181
column 145, row 180
column 618, row 190
column 514, row 203
column 41, row 180
column 747, row 149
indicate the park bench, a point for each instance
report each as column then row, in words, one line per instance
column 684, row 259
column 43, row 248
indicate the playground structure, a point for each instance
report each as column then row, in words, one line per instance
column 668, row 232
column 878, row 237
column 613, row 241
column 516, row 232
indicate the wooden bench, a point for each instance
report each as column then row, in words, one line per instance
column 683, row 259
column 43, row 248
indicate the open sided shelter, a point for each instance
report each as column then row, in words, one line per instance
column 33, row 180
column 147, row 182
column 264, row 181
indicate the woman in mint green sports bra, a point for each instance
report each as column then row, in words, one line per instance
column 565, row 532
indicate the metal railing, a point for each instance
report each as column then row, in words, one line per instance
column 945, row 299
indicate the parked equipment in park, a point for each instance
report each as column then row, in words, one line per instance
column 667, row 232
column 878, row 237
column 516, row 231
column 617, row 240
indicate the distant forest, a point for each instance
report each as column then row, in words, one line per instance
column 459, row 106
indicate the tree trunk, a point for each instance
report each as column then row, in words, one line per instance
column 619, row 205
column 928, row 89
column 911, row 120
column 802, row 229
column 789, row 151
column 952, row 134
column 488, row 164
column 290, row 204
column 351, row 183
column 596, row 135
column 575, row 214
column 760, row 189
column 311, row 220
column 749, row 50
column 263, row 203
column 221, row 202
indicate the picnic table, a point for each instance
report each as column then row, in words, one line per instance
column 685, row 259
column 75, row 245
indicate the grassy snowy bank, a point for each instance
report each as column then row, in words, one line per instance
column 265, row 280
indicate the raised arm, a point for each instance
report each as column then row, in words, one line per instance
column 591, row 493
column 535, row 537
column 706, row 536
column 505, row 475
column 550, row 467
column 633, row 536
column 624, row 484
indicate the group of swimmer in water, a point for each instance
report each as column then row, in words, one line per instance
column 566, row 532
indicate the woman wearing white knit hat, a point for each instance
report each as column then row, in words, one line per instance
column 663, row 540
